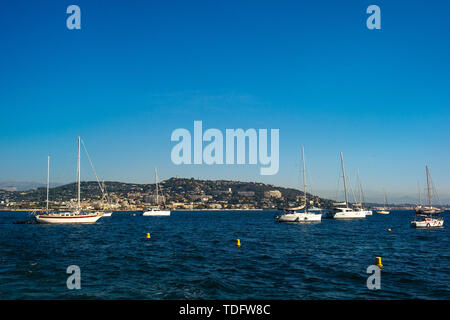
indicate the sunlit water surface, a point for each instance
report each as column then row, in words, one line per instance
column 193, row 255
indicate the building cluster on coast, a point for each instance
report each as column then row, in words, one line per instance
column 179, row 194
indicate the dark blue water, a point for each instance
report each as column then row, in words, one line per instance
column 192, row 255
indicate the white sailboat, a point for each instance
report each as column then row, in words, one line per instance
column 108, row 212
column 293, row 215
column 156, row 210
column 360, row 206
column 384, row 210
column 426, row 216
column 77, row 215
column 342, row 210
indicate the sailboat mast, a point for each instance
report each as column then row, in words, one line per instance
column 359, row 187
column 304, row 176
column 420, row 197
column 428, row 185
column 345, row 184
column 156, row 184
column 79, row 173
column 385, row 198
column 48, row 180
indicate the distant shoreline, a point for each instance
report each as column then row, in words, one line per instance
column 181, row 210
column 27, row 210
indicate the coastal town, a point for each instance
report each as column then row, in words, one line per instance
column 177, row 194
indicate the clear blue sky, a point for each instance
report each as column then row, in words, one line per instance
column 137, row 70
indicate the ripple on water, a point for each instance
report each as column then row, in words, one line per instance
column 194, row 256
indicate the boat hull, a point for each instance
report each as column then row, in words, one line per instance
column 383, row 212
column 427, row 223
column 300, row 217
column 63, row 219
column 426, row 211
column 349, row 215
column 156, row 213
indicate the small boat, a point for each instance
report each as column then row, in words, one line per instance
column 293, row 214
column 427, row 222
column 343, row 213
column 77, row 215
column 342, row 210
column 384, row 210
column 426, row 216
column 366, row 212
column 428, row 210
column 359, row 206
column 157, row 210
column 107, row 214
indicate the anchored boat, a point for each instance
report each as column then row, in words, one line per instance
column 424, row 221
column 426, row 217
column 77, row 215
column 360, row 206
column 384, row 210
column 293, row 214
column 342, row 210
column 157, row 210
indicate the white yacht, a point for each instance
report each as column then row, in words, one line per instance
column 426, row 217
column 348, row 213
column 384, row 210
column 294, row 214
column 76, row 215
column 423, row 221
column 342, row 210
column 366, row 212
column 360, row 206
column 156, row 210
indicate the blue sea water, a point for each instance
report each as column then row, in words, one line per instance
column 193, row 255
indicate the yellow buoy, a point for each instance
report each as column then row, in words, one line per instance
column 378, row 262
column 389, row 229
column 238, row 242
column 148, row 235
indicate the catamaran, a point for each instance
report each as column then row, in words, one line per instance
column 384, row 210
column 342, row 209
column 157, row 210
column 293, row 214
column 77, row 214
column 426, row 216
